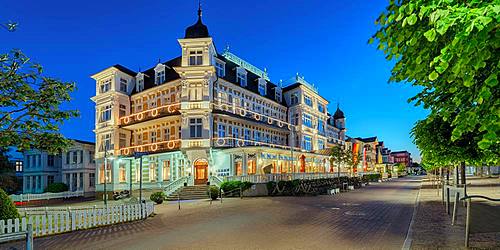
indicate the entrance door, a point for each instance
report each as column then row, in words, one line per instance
column 200, row 172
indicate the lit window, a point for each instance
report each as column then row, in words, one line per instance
column 196, row 57
column 308, row 100
column 219, row 69
column 122, row 173
column 195, row 127
column 152, row 171
column 105, row 86
column 123, row 85
column 166, row 170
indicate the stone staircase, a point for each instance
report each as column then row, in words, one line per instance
column 190, row 193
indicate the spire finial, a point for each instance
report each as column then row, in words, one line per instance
column 199, row 9
column 338, row 105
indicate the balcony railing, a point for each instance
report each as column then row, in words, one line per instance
column 150, row 113
column 264, row 178
column 244, row 112
column 239, row 142
column 152, row 147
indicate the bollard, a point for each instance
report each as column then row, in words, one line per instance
column 220, row 192
column 448, row 200
column 455, row 204
column 29, row 237
column 467, row 223
column 179, row 200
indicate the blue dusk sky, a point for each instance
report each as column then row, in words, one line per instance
column 325, row 41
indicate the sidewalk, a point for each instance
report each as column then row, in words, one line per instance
column 432, row 227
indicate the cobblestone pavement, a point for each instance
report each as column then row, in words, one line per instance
column 432, row 227
column 375, row 217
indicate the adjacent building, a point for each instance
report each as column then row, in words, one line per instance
column 207, row 113
column 403, row 157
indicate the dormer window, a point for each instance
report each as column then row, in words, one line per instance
column 195, row 57
column 262, row 87
column 278, row 94
column 159, row 74
column 294, row 99
column 241, row 77
column 123, row 85
column 140, row 82
column 220, row 68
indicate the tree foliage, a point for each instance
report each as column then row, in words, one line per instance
column 8, row 180
column 30, row 105
column 7, row 208
column 450, row 49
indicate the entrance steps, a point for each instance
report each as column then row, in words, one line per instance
column 197, row 192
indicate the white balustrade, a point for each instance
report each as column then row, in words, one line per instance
column 263, row 178
column 45, row 196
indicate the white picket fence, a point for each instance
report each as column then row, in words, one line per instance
column 66, row 221
column 45, row 196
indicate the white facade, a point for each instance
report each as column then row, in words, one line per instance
column 78, row 167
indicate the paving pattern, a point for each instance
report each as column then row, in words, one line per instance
column 375, row 217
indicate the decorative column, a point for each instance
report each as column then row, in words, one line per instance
column 78, row 181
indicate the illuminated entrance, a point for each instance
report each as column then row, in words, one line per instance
column 200, row 172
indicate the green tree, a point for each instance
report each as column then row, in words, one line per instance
column 450, row 49
column 30, row 105
column 352, row 159
column 8, row 180
column 7, row 208
column 339, row 157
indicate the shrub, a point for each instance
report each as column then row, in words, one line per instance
column 228, row 186
column 56, row 187
column 158, row 197
column 214, row 193
column 7, row 208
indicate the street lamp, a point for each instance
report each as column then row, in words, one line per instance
column 106, row 148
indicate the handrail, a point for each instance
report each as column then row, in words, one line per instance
column 479, row 197
column 214, row 179
column 173, row 186
column 468, row 213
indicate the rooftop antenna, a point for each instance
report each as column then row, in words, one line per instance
column 199, row 9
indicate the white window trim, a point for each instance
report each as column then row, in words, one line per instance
column 223, row 69
column 159, row 68
column 241, row 71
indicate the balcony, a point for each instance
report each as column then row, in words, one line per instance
column 249, row 114
column 156, row 147
column 230, row 142
column 165, row 110
column 196, row 143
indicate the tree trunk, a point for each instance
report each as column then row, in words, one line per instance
column 462, row 168
column 489, row 171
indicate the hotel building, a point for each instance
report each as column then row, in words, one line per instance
column 207, row 115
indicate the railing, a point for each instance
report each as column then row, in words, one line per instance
column 19, row 234
column 469, row 198
column 174, row 185
column 215, row 180
column 150, row 113
column 71, row 220
column 45, row 196
column 239, row 142
column 263, row 178
column 152, row 147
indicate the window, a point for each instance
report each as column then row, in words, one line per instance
column 195, row 94
column 195, row 127
column 101, row 174
column 306, row 120
column 68, row 156
column 321, row 144
column 321, row 126
column 241, row 77
column 196, row 57
column 307, row 145
column 152, row 172
column 19, row 166
column 123, row 85
column 262, row 87
column 222, row 130
column 294, row 99
column 123, row 140
column 123, row 110
column 106, row 113
column 160, row 77
column 50, row 179
column 140, row 83
column 105, row 142
column 50, row 160
column 105, row 85
column 321, row 108
column 219, row 69
column 256, row 135
column 308, row 100
column 122, row 174
column 166, row 170
column 75, row 157
column 278, row 94
column 91, row 179
column 166, row 134
column 81, row 181
column 81, row 156
column 153, row 136
column 246, row 134
column 91, row 157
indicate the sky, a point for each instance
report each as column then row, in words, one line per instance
column 325, row 41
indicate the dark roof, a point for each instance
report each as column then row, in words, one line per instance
column 197, row 30
column 170, row 74
column 291, row 86
column 125, row 70
column 400, row 152
column 368, row 139
column 252, row 80
column 338, row 114
column 84, row 142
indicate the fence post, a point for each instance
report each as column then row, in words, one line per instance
column 454, row 216
column 467, row 223
column 29, row 237
column 220, row 192
column 241, row 193
column 448, row 200
column 179, row 200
